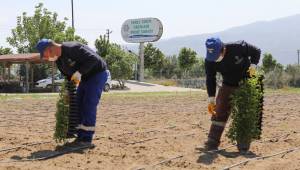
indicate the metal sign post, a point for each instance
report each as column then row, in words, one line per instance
column 141, row 69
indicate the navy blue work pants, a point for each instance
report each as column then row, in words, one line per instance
column 88, row 96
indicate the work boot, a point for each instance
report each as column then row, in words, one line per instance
column 209, row 145
column 214, row 136
column 243, row 147
column 215, row 133
column 71, row 135
column 79, row 142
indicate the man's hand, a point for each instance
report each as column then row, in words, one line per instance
column 76, row 77
column 211, row 105
column 252, row 70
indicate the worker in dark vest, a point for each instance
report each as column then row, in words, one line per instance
column 82, row 65
column 234, row 61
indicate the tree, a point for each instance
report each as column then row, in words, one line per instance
column 294, row 72
column 187, row 58
column 43, row 24
column 268, row 63
column 171, row 66
column 4, row 51
column 198, row 69
column 102, row 45
column 154, row 59
column 120, row 64
column 277, row 78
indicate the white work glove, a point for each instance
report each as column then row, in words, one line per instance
column 76, row 77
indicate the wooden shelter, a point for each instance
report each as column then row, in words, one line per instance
column 28, row 59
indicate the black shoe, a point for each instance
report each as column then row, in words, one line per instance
column 209, row 145
column 78, row 142
column 71, row 135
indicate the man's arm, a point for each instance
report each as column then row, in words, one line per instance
column 210, row 69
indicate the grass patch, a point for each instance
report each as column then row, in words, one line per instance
column 11, row 96
column 165, row 82
column 153, row 94
column 285, row 90
column 5, row 96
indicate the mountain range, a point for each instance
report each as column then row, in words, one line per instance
column 280, row 37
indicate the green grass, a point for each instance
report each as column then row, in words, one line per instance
column 137, row 94
column 287, row 90
column 109, row 94
column 154, row 94
column 165, row 82
column 5, row 96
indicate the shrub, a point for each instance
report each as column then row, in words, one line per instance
column 246, row 111
column 62, row 115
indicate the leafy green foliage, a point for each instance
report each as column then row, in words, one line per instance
column 120, row 63
column 4, row 51
column 294, row 72
column 246, row 109
column 102, row 45
column 43, row 24
column 269, row 63
column 186, row 58
column 154, row 58
column 171, row 67
column 198, row 69
column 62, row 114
column 277, row 78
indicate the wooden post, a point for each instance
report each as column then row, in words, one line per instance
column 8, row 66
column 53, row 71
column 27, row 65
column 32, row 75
column 3, row 71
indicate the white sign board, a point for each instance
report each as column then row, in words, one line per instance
column 142, row 30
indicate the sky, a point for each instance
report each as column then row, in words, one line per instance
column 179, row 17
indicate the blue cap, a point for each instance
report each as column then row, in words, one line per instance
column 42, row 45
column 213, row 48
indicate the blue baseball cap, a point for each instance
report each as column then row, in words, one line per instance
column 213, row 48
column 42, row 45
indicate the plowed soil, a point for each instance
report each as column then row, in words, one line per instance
column 143, row 131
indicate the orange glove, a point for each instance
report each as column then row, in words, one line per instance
column 211, row 105
column 211, row 108
column 252, row 70
column 76, row 78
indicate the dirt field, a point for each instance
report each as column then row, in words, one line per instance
column 140, row 130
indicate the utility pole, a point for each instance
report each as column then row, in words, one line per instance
column 107, row 33
column 298, row 51
column 72, row 14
